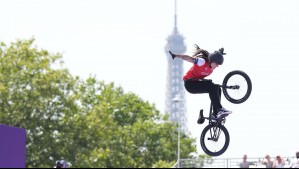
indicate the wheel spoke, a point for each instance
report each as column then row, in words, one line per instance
column 214, row 140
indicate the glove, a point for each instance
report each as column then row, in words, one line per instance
column 172, row 55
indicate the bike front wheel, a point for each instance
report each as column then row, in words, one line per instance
column 214, row 140
column 237, row 87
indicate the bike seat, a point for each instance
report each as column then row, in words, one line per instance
column 201, row 118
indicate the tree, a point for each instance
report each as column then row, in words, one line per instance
column 85, row 122
column 35, row 96
column 128, row 131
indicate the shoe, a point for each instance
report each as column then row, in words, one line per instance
column 214, row 116
column 172, row 55
column 223, row 113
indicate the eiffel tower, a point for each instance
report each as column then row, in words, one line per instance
column 175, row 91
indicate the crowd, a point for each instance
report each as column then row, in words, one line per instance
column 268, row 162
column 277, row 162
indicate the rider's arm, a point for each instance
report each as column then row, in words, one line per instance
column 186, row 58
column 198, row 61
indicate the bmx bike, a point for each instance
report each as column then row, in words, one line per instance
column 214, row 138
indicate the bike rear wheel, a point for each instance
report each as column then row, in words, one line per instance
column 237, row 87
column 214, row 140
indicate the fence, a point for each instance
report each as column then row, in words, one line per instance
column 224, row 163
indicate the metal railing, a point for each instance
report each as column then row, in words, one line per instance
column 225, row 163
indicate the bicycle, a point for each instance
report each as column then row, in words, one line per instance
column 214, row 138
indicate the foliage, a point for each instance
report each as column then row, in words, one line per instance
column 36, row 97
column 85, row 122
column 163, row 164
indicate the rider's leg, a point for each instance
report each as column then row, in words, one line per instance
column 196, row 87
column 215, row 97
column 215, row 108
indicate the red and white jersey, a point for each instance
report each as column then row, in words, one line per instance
column 199, row 70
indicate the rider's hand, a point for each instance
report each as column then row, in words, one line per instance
column 172, row 54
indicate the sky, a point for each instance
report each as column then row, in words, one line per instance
column 123, row 42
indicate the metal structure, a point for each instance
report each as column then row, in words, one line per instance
column 175, row 85
column 207, row 162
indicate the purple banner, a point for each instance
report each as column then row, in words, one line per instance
column 12, row 147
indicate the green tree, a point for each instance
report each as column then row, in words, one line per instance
column 128, row 131
column 37, row 97
column 85, row 122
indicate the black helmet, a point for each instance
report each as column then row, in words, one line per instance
column 216, row 57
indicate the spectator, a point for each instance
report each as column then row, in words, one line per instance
column 295, row 162
column 60, row 164
column 267, row 161
column 279, row 162
column 245, row 163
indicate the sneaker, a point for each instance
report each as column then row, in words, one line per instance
column 172, row 54
column 223, row 113
column 213, row 118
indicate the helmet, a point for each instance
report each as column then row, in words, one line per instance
column 216, row 57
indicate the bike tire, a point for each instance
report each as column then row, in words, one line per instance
column 205, row 142
column 237, row 78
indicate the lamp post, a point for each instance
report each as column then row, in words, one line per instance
column 176, row 100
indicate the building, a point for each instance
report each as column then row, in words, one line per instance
column 175, row 92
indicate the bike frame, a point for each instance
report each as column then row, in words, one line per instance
column 215, row 130
column 214, row 121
